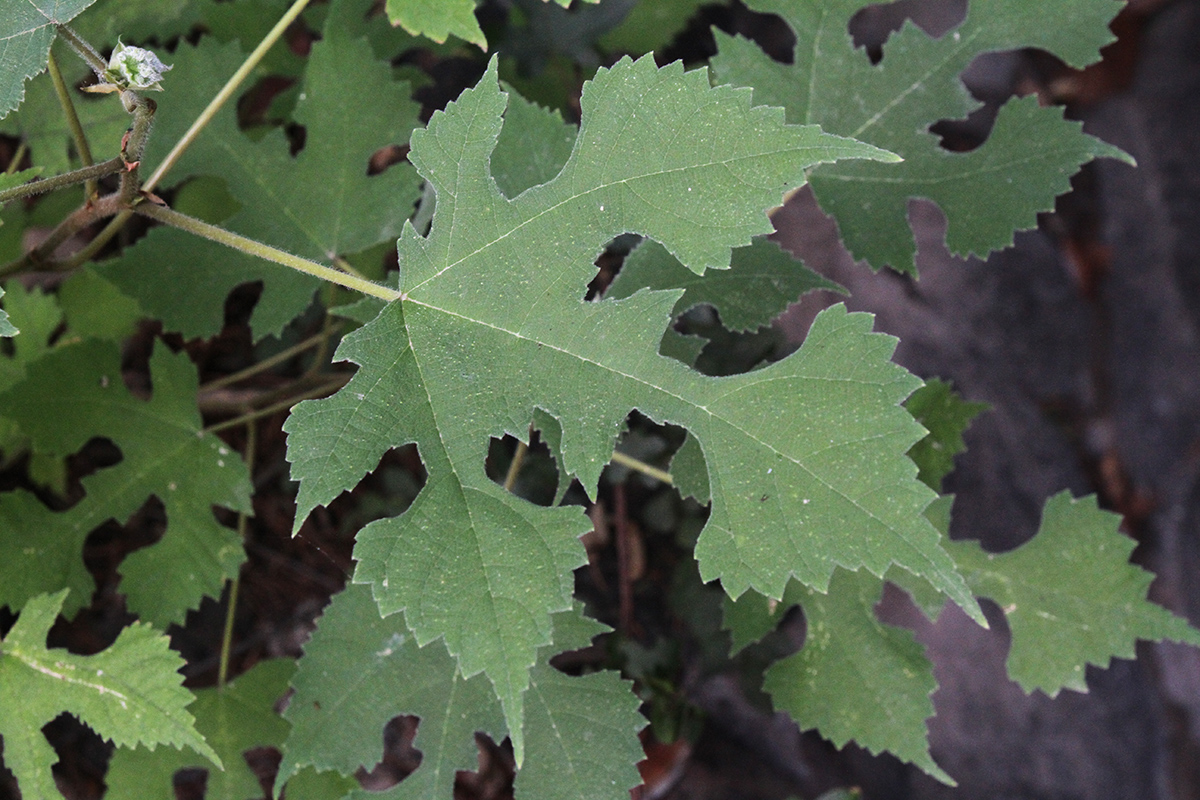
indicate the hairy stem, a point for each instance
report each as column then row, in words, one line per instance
column 68, row 107
column 85, row 50
column 265, row 251
column 83, row 175
column 73, row 224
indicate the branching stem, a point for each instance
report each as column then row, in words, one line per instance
column 319, row 391
column 82, row 175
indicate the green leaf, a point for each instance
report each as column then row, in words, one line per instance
column 1070, row 596
column 232, row 720
column 358, row 671
column 581, row 733
column 94, row 307
column 27, row 30
column 442, row 19
column 761, row 282
column 749, row 618
column 130, row 693
column 1024, row 164
column 944, row 413
column 6, row 327
column 650, row 25
column 856, row 678
column 532, row 147
column 492, row 325
column 76, row 393
column 350, row 107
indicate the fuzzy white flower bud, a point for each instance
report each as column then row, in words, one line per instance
column 135, row 68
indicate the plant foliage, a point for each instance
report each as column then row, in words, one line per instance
column 819, row 471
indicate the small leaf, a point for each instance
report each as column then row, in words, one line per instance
column 232, row 720
column 856, row 678
column 1070, row 595
column 945, row 415
column 137, row 68
column 130, row 694
column 26, row 32
column 761, row 282
column 441, row 19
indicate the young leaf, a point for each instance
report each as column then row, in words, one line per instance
column 492, row 325
column 130, row 694
column 1070, row 595
column 1024, row 164
column 232, row 720
column 856, row 678
column 27, row 29
column 945, row 415
column 76, row 393
column 761, row 282
column 320, row 205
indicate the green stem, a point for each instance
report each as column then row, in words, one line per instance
column 255, row 248
column 510, row 480
column 82, row 175
column 265, row 364
column 642, row 467
column 226, row 92
column 282, row 405
column 85, row 50
column 77, row 134
column 22, row 149
column 231, row 610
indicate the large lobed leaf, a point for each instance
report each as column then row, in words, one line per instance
column 130, row 693
column 491, row 326
column 75, row 393
column 27, row 29
column 1070, row 596
column 987, row 193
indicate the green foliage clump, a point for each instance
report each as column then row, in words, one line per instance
column 820, row 471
